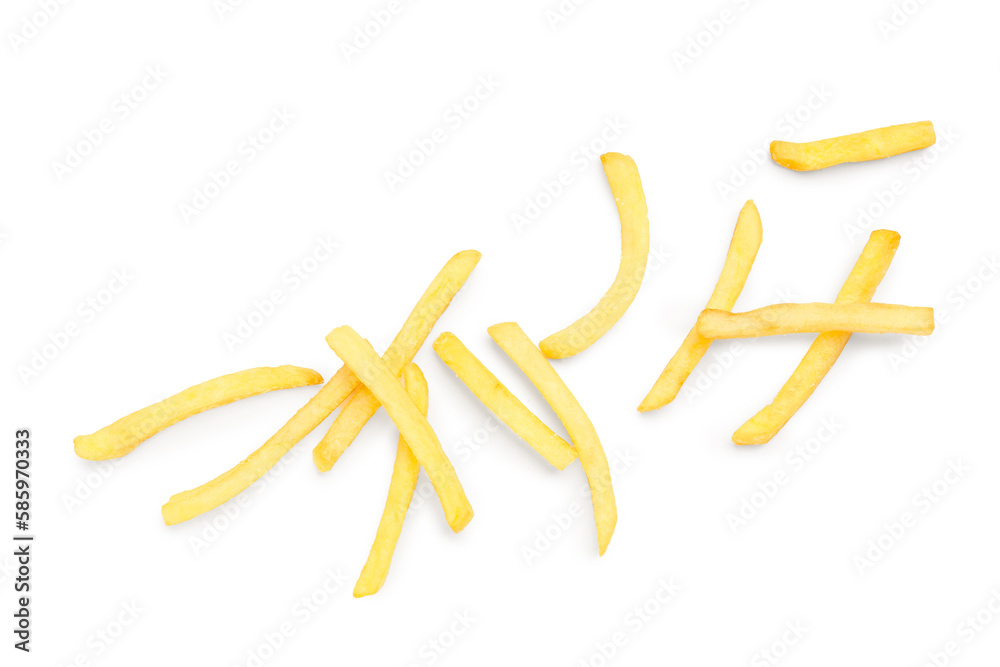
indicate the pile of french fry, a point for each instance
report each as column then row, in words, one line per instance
column 368, row 381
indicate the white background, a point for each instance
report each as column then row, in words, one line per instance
column 100, row 541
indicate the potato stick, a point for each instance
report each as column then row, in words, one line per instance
column 355, row 413
column 359, row 356
column 405, row 472
column 360, row 407
column 129, row 432
column 824, row 351
column 788, row 318
column 539, row 370
column 859, row 147
column 739, row 261
column 189, row 504
column 432, row 303
column 501, row 402
column 623, row 177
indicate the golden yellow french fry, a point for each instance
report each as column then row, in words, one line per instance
column 786, row 318
column 405, row 472
column 360, row 407
column 623, row 177
column 355, row 413
column 859, row 147
column 359, row 356
column 130, row 431
column 739, row 260
column 189, row 504
column 539, row 370
column 501, row 402
column 432, row 303
column 823, row 353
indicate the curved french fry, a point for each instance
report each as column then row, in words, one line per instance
column 359, row 356
column 739, row 260
column 360, row 407
column 823, row 353
column 432, row 303
column 121, row 437
column 860, row 147
column 405, row 472
column 539, row 370
column 623, row 177
column 501, row 402
column 786, row 318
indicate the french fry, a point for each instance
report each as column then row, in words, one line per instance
column 623, row 177
column 405, row 472
column 121, row 437
column 786, row 318
column 432, row 303
column 360, row 407
column 859, row 147
column 539, row 370
column 501, row 402
column 189, row 504
column 823, row 353
column 739, row 260
column 359, row 356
